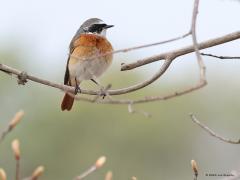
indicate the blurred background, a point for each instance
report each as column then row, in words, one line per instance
column 34, row 37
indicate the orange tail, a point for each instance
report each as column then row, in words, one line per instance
column 67, row 102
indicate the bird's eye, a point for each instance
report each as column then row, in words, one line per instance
column 96, row 28
column 99, row 30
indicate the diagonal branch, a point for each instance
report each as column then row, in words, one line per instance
column 183, row 51
column 211, row 132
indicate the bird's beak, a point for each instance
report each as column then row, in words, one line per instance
column 108, row 26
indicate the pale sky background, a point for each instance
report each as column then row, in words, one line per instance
column 43, row 29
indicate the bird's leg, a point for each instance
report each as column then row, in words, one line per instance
column 93, row 80
column 102, row 88
column 77, row 87
column 103, row 94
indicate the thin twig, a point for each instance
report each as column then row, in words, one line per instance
column 16, row 152
column 15, row 120
column 98, row 164
column 220, row 57
column 211, row 132
column 132, row 111
column 18, row 169
column 146, row 99
column 86, row 173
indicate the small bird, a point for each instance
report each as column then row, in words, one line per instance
column 84, row 61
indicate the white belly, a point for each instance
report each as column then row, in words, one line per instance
column 86, row 70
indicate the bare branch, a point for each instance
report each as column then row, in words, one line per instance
column 168, row 57
column 211, row 132
column 195, row 44
column 171, row 57
column 221, row 57
column 10, row 70
column 146, row 99
column 183, row 51
column 171, row 54
column 70, row 89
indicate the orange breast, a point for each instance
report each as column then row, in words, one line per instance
column 89, row 45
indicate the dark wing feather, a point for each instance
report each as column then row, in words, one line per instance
column 71, row 49
column 66, row 76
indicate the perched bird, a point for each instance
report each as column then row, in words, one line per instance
column 84, row 62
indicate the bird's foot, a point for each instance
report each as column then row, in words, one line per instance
column 77, row 89
column 104, row 91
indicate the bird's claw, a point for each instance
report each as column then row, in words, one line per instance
column 77, row 89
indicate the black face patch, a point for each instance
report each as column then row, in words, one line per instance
column 96, row 28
